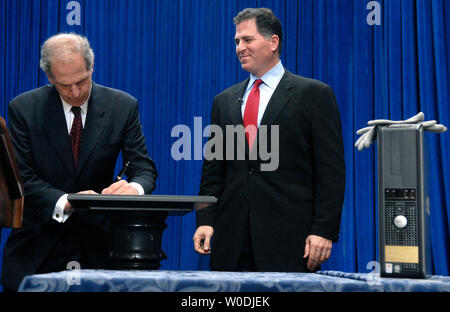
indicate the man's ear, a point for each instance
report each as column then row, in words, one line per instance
column 50, row 78
column 275, row 41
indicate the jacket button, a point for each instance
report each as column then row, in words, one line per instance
column 251, row 171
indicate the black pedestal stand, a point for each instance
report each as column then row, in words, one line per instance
column 137, row 224
column 137, row 240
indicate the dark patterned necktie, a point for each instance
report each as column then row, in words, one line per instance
column 76, row 133
column 251, row 113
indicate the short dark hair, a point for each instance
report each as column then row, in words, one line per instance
column 266, row 22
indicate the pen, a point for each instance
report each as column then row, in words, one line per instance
column 122, row 172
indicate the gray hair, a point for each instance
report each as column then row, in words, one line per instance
column 61, row 46
column 266, row 22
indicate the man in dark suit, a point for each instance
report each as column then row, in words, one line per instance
column 43, row 125
column 273, row 220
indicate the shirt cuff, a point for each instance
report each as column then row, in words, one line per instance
column 138, row 187
column 58, row 213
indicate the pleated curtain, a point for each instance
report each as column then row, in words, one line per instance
column 175, row 56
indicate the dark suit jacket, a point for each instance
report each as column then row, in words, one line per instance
column 303, row 196
column 41, row 141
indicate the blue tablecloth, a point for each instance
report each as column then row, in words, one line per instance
column 207, row 281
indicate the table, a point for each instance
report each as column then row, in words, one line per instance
column 208, row 281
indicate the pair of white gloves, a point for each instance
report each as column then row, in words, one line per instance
column 368, row 133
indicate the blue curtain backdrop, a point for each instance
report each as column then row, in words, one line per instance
column 174, row 56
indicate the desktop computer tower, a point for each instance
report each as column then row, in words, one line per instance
column 403, row 204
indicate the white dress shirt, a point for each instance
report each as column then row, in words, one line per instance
column 58, row 213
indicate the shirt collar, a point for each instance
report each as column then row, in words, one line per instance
column 271, row 78
column 67, row 107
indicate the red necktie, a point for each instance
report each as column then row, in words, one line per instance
column 251, row 113
column 76, row 133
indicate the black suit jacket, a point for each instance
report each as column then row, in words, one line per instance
column 303, row 196
column 42, row 145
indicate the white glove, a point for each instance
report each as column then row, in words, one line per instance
column 368, row 133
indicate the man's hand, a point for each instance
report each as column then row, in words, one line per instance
column 318, row 249
column 122, row 187
column 68, row 207
column 202, row 239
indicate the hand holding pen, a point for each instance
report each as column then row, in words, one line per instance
column 121, row 186
column 122, row 172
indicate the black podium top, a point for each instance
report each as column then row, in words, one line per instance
column 172, row 204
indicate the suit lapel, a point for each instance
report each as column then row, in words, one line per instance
column 236, row 99
column 236, row 109
column 277, row 102
column 55, row 128
column 94, row 126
